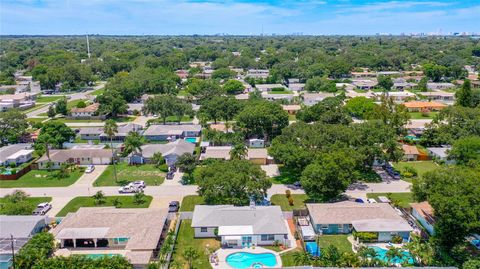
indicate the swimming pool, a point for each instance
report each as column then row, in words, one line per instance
column 192, row 140
column 381, row 252
column 312, row 248
column 242, row 260
column 99, row 256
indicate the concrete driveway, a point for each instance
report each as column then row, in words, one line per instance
column 87, row 179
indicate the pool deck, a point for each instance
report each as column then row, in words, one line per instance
column 224, row 252
column 67, row 252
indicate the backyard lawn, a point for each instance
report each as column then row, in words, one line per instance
column 97, row 92
column 420, row 115
column 186, row 239
column 338, row 240
column 87, row 201
column 287, row 176
column 128, row 173
column 30, row 204
column 175, row 119
column 41, row 178
column 288, row 259
column 281, row 200
column 421, row 167
column 403, row 198
column 189, row 202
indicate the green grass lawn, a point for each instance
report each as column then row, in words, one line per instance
column 190, row 201
column 41, row 178
column 48, row 99
column 403, row 198
column 287, row 176
column 74, row 103
column 128, row 173
column 420, row 115
column 421, row 167
column 186, row 239
column 35, row 107
column 287, row 258
column 174, row 119
column 35, row 120
column 31, row 202
column 87, row 201
column 281, row 200
column 182, row 93
column 97, row 92
column 281, row 92
column 338, row 240
column 292, row 117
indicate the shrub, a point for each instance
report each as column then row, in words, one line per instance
column 163, row 167
column 290, row 201
column 366, row 236
column 288, row 193
column 278, row 89
column 397, row 239
column 409, row 172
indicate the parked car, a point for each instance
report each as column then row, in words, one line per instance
column 139, row 184
column 42, row 208
column 297, row 184
column 371, row 201
column 170, row 175
column 129, row 189
column 90, row 168
column 174, row 206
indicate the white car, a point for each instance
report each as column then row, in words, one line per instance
column 129, row 189
column 138, row 184
column 90, row 168
column 42, row 208
column 372, row 201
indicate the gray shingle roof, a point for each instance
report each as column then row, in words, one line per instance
column 178, row 147
column 19, row 226
column 263, row 219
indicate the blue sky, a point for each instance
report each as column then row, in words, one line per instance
column 162, row 17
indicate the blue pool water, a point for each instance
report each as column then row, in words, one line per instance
column 192, row 140
column 476, row 243
column 99, row 256
column 242, row 260
column 312, row 248
column 406, row 256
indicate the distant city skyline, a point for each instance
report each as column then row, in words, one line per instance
column 237, row 17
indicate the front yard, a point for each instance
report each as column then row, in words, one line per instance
column 421, row 167
column 190, row 201
column 287, row 176
column 128, row 173
column 281, row 200
column 24, row 207
column 402, row 198
column 42, row 178
column 186, row 240
column 87, row 201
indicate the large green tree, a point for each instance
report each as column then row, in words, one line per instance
column 361, row 107
column 112, row 103
column 231, row 182
column 13, row 125
column 233, row 87
column 464, row 96
column 219, row 107
column 330, row 110
column 466, row 151
column 320, row 84
column 54, row 134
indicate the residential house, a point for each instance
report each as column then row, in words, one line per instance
column 439, row 96
column 14, row 88
column 134, row 108
column 400, row 84
column 122, row 132
column 256, row 143
column 221, row 127
column 85, row 112
column 363, row 74
column 258, row 73
column 216, row 152
column 134, row 233
column 241, row 226
column 277, row 96
column 170, row 152
column 20, row 101
column 410, row 153
column 346, row 217
column 421, row 106
column 291, row 109
column 364, row 84
column 440, row 154
column 293, row 81
column 78, row 156
column 258, row 156
column 310, row 99
column 182, row 74
column 296, row 87
column 440, row 85
column 16, row 154
column 269, row 87
column 171, row 132
column 423, row 212
column 90, row 133
column 21, row 228
column 398, row 97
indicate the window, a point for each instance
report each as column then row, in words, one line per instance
column 268, row 237
column 324, row 226
column 203, row 229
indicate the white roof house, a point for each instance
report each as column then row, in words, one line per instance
column 216, row 152
column 277, row 96
column 17, row 153
column 22, row 228
column 268, row 87
column 310, row 99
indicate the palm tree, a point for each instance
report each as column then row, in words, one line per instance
column 99, row 198
column 133, row 143
column 393, row 254
column 158, row 159
column 302, row 258
column 349, row 259
column 367, row 255
column 190, row 254
column 423, row 252
column 176, row 264
column 331, row 256
column 110, row 129
column 238, row 152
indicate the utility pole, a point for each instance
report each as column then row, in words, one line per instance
column 13, row 251
column 88, row 48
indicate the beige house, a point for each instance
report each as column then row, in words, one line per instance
column 132, row 233
column 78, row 156
column 410, row 152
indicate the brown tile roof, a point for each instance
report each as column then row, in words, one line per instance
column 420, row 104
column 88, row 109
column 410, row 150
